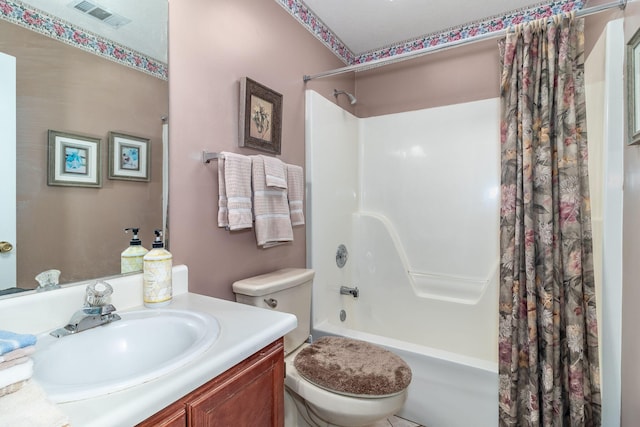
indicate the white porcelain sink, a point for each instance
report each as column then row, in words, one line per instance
column 144, row 345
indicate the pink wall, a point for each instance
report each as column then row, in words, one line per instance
column 463, row 74
column 467, row 73
column 212, row 45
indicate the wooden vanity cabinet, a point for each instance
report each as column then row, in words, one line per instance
column 250, row 394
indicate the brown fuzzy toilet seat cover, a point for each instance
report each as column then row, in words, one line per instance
column 353, row 367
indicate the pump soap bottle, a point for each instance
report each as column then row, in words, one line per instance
column 131, row 258
column 157, row 263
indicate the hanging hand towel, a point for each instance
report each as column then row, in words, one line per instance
column 270, row 209
column 223, row 211
column 295, row 183
column 274, row 172
column 10, row 341
column 234, row 188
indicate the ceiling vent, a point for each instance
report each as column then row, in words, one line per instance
column 100, row 13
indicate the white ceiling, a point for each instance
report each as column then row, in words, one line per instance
column 365, row 25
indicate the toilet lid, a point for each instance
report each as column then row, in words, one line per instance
column 353, row 367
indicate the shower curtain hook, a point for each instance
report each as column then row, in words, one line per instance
column 517, row 29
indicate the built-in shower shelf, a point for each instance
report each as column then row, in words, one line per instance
column 425, row 284
column 458, row 289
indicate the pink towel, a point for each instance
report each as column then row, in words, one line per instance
column 274, row 172
column 13, row 362
column 270, row 209
column 18, row 353
column 234, row 192
column 295, row 184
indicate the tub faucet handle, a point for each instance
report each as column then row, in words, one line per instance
column 345, row 290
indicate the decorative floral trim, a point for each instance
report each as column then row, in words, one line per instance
column 544, row 10
column 307, row 18
column 56, row 28
column 470, row 30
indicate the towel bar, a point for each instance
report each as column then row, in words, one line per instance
column 208, row 156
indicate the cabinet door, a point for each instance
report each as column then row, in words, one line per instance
column 251, row 394
column 173, row 415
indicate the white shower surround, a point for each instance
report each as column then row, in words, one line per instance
column 415, row 198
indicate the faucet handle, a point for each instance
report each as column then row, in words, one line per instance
column 48, row 280
column 98, row 294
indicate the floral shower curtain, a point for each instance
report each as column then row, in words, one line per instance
column 548, row 344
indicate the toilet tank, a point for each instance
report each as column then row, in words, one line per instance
column 287, row 290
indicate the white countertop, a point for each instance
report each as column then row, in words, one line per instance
column 243, row 331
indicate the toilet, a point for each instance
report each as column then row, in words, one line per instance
column 334, row 381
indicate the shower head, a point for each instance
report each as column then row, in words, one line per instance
column 352, row 98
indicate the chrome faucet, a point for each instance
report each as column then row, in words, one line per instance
column 96, row 311
column 87, row 318
column 344, row 290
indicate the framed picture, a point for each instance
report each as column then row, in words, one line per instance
column 129, row 157
column 633, row 89
column 260, row 117
column 74, row 160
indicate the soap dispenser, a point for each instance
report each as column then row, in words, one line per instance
column 131, row 258
column 157, row 264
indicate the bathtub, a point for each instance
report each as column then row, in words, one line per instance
column 448, row 339
column 447, row 334
column 447, row 389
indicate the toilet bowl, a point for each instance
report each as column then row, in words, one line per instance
column 324, row 387
column 307, row 401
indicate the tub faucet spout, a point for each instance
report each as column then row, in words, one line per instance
column 345, row 290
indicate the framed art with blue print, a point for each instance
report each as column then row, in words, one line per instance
column 129, row 157
column 74, row 160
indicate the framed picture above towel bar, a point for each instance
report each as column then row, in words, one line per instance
column 260, row 117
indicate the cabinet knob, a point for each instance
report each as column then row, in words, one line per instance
column 5, row 247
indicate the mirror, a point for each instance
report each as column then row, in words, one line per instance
column 88, row 85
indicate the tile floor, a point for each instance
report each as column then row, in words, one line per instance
column 394, row 421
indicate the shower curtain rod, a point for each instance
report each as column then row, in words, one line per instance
column 415, row 54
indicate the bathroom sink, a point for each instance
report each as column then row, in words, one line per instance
column 144, row 345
